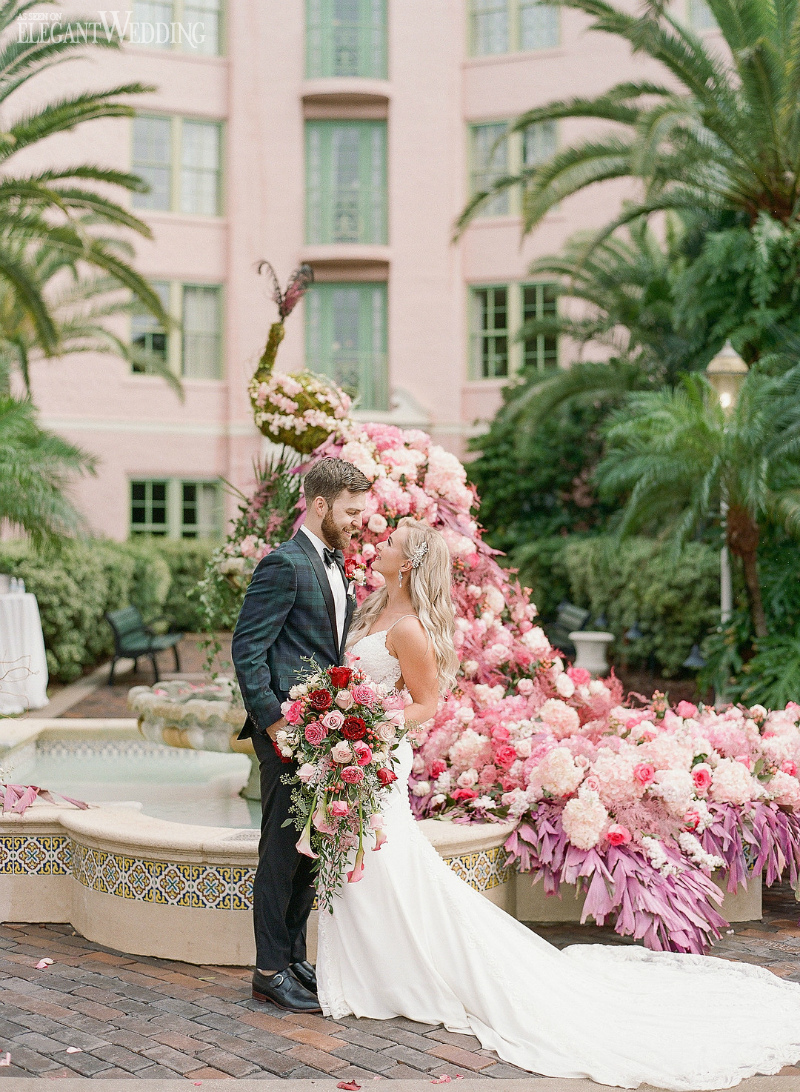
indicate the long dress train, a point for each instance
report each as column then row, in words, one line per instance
column 412, row 939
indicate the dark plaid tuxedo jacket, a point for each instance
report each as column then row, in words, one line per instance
column 288, row 614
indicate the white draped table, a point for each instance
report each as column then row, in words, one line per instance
column 23, row 664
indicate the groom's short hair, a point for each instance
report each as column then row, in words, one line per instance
column 329, row 477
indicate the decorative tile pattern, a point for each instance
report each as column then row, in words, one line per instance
column 112, row 748
column 207, row 886
column 483, row 869
column 35, row 854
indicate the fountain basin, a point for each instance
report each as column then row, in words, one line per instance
column 150, row 886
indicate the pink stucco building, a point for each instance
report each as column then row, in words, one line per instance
column 347, row 134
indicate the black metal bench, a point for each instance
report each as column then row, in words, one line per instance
column 133, row 638
column 568, row 619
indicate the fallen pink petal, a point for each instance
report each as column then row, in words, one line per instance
column 74, row 1050
column 351, row 1086
column 444, row 1079
column 43, row 964
column 6, row 1059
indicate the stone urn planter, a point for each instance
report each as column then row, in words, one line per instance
column 590, row 650
column 198, row 716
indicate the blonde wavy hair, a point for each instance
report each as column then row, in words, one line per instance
column 430, row 598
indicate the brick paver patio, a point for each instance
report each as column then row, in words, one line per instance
column 131, row 1016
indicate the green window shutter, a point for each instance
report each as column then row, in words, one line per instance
column 538, row 25
column 489, row 27
column 152, row 161
column 539, row 301
column 148, row 336
column 345, row 182
column 489, row 162
column 149, row 508
column 201, row 167
column 346, row 339
column 490, row 332
column 200, row 510
column 346, row 38
column 208, row 13
column 202, row 331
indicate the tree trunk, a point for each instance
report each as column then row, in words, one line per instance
column 742, row 537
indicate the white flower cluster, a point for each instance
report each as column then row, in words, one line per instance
column 695, row 852
column 657, row 856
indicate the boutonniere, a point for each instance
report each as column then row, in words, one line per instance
column 355, row 570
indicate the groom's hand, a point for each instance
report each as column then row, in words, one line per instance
column 273, row 729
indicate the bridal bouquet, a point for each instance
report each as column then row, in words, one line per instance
column 342, row 732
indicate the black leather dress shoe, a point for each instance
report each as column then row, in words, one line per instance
column 305, row 974
column 283, row 990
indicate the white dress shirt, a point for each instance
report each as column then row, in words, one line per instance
column 335, row 580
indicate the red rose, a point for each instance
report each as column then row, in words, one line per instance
column 350, row 567
column 340, row 676
column 386, row 776
column 320, row 699
column 438, row 767
column 354, row 728
column 464, row 794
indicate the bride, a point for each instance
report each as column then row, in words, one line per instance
column 412, row 939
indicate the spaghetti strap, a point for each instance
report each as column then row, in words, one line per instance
column 400, row 619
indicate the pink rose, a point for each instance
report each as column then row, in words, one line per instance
column 363, row 694
column 352, row 775
column 339, row 808
column 500, row 734
column 745, row 761
column 315, row 733
column 386, row 730
column 506, row 756
column 306, row 772
column 701, row 776
column 617, row 835
column 789, row 767
column 525, row 687
column 591, row 782
column 333, row 720
column 644, row 773
column 363, row 753
column 691, row 820
column 294, row 714
column 579, row 675
column 344, row 699
column 686, row 709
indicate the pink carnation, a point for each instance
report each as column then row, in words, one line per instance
column 363, row 694
column 352, row 775
column 315, row 733
column 294, row 714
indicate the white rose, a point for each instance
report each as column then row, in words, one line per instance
column 422, row 788
column 467, row 779
column 565, row 686
column 523, row 748
column 465, row 714
column 377, row 524
column 341, row 753
column 470, row 668
column 386, row 731
column 437, row 800
column 344, row 699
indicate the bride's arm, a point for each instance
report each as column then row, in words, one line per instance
column 412, row 647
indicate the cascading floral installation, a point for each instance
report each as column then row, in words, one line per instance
column 637, row 804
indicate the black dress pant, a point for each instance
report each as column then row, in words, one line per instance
column 283, row 889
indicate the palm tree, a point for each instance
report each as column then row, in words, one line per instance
column 60, row 207
column 677, row 458
column 36, row 468
column 80, row 304
column 624, row 289
column 720, row 135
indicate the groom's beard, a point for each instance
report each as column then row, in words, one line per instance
column 336, row 538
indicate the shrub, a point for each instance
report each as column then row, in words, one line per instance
column 673, row 596
column 77, row 582
column 542, row 568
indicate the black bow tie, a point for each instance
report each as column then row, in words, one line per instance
column 333, row 557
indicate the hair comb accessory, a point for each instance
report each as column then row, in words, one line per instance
column 418, row 555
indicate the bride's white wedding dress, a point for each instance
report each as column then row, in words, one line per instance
column 412, row 939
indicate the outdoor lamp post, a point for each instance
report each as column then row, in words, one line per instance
column 726, row 373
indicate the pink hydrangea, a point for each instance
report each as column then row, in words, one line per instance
column 584, row 819
column 561, row 718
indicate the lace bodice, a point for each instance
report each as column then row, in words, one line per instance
column 374, row 659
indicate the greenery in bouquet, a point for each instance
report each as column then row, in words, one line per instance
column 342, row 733
column 266, row 519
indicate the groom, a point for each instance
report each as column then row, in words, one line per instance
column 297, row 606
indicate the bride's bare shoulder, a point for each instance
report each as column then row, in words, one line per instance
column 408, row 635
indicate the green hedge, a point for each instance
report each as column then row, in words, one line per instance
column 83, row 579
column 673, row 597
